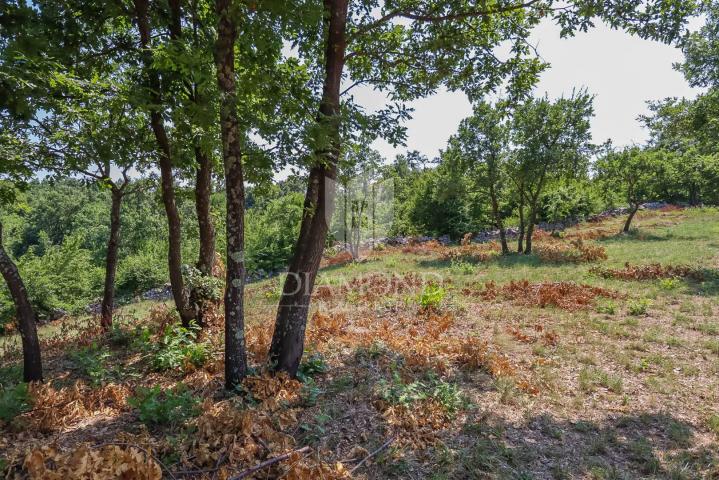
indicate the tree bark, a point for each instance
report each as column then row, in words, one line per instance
column 632, row 212
column 203, row 193
column 113, row 244
column 498, row 219
column 167, row 185
column 520, row 235
column 235, row 354
column 289, row 334
column 32, row 359
column 530, row 229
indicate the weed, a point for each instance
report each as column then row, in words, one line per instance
column 669, row 283
column 91, row 362
column 712, row 346
column 590, row 378
column 170, row 407
column 462, row 267
column 607, row 307
column 313, row 365
column 432, row 296
column 713, row 423
column 638, row 307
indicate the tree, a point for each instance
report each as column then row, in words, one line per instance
column 552, row 141
column 92, row 133
column 632, row 173
column 13, row 169
column 235, row 356
column 481, row 147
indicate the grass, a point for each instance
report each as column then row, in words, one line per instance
column 468, row 386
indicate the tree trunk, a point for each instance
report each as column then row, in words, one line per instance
column 628, row 223
column 206, row 258
column 289, row 334
column 498, row 219
column 203, row 193
column 32, row 360
column 520, row 235
column 374, row 211
column 235, row 354
column 113, row 244
column 344, row 215
column 530, row 229
column 174, row 260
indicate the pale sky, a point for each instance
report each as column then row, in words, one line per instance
column 621, row 70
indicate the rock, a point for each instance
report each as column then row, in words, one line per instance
column 159, row 293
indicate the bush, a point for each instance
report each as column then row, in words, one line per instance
column 141, row 272
column 14, row 401
column 638, row 307
column 158, row 407
column 178, row 349
column 91, row 362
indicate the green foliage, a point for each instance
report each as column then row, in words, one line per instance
column 638, row 307
column 271, row 232
column 178, row 348
column 91, row 361
column 14, row 401
column 397, row 392
column 205, row 287
column 431, row 296
column 140, row 272
column 313, row 365
column 168, row 407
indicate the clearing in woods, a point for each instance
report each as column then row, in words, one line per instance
column 596, row 357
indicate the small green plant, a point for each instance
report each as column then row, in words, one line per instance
column 462, row 267
column 638, row 307
column 14, row 401
column 179, row 348
column 170, row 407
column 590, row 378
column 607, row 308
column 91, row 362
column 432, row 296
column 713, row 423
column 10, row 375
column 669, row 283
column 313, row 365
column 396, row 392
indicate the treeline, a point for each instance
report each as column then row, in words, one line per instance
column 221, row 95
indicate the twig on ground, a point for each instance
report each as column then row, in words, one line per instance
column 267, row 463
column 384, row 445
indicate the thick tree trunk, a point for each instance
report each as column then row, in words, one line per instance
column 32, row 359
column 235, row 354
column 628, row 223
column 113, row 244
column 498, row 220
column 167, row 185
column 289, row 335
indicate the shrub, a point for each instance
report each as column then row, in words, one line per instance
column 141, row 272
column 158, row 407
column 313, row 365
column 14, row 401
column 91, row 362
column 178, row 349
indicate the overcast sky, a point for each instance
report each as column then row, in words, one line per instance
column 622, row 71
